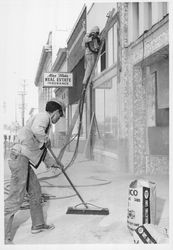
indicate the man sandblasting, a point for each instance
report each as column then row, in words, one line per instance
column 30, row 149
column 91, row 43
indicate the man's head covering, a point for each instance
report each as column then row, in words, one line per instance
column 56, row 104
column 95, row 29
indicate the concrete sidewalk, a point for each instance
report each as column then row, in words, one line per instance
column 99, row 185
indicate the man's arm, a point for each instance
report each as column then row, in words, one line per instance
column 39, row 127
column 86, row 40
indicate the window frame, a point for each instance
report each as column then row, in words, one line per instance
column 114, row 21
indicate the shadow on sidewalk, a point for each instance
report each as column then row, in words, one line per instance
column 23, row 215
column 20, row 218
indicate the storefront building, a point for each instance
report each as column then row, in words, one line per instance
column 144, row 81
column 130, row 93
column 75, row 65
column 104, row 92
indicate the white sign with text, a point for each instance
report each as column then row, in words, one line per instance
column 56, row 80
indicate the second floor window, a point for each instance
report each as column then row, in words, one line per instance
column 108, row 54
column 143, row 15
column 103, row 58
column 112, row 46
column 101, row 65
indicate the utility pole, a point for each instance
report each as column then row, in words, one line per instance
column 23, row 104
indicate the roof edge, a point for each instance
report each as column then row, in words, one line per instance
column 74, row 26
column 45, row 50
column 61, row 55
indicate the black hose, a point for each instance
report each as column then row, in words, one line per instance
column 45, row 197
column 81, row 106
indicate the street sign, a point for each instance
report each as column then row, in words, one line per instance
column 56, row 80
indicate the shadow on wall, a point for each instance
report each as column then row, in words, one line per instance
column 159, row 209
column 123, row 156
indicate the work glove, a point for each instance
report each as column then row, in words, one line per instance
column 56, row 169
column 48, row 143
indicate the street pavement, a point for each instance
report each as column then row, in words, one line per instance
column 99, row 185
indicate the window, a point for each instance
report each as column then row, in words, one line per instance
column 149, row 15
column 115, row 42
column 158, row 117
column 158, row 95
column 108, row 55
column 101, row 65
column 159, row 10
column 110, row 47
column 133, row 21
column 103, row 58
column 141, row 17
column 162, row 107
column 135, row 14
column 106, row 115
column 83, row 128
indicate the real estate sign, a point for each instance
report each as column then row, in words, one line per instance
column 56, row 80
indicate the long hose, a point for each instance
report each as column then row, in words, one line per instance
column 81, row 107
column 82, row 99
column 45, row 197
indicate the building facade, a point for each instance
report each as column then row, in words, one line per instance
column 75, row 65
column 104, row 92
column 45, row 64
column 145, row 85
column 129, row 94
column 60, row 129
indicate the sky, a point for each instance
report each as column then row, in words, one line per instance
column 25, row 25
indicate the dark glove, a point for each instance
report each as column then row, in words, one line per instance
column 56, row 168
column 48, row 143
